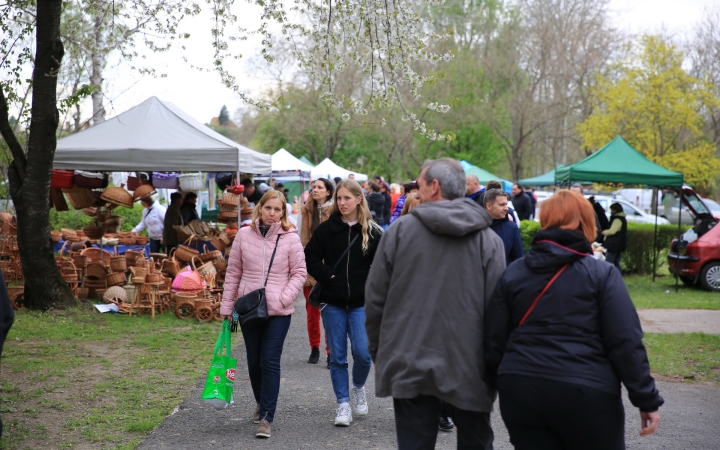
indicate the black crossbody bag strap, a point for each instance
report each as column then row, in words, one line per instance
column 343, row 254
column 272, row 258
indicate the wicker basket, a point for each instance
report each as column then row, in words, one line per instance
column 116, row 279
column 90, row 211
column 83, row 292
column 205, row 270
column 96, row 271
column 143, row 191
column 100, row 293
column 153, row 278
column 220, row 264
column 226, row 206
column 227, row 215
column 118, row 196
column 112, row 224
column 127, row 241
column 141, row 239
column 190, row 182
column 170, row 265
column 186, row 253
column 138, row 280
column 97, row 255
column 135, row 182
column 118, row 263
column 115, row 293
column 68, row 233
column 80, row 260
column 218, row 243
column 62, row 179
column 228, row 198
column 94, row 231
column 80, row 198
column 56, row 236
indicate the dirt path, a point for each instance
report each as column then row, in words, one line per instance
column 306, row 409
column 680, row 320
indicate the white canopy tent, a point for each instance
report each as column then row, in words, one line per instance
column 286, row 167
column 330, row 170
column 156, row 136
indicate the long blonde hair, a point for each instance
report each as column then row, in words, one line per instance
column 364, row 216
column 269, row 195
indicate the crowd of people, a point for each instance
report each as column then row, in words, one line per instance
column 429, row 282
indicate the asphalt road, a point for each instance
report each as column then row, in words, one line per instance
column 306, row 409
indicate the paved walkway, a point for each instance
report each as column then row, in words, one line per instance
column 680, row 320
column 306, row 409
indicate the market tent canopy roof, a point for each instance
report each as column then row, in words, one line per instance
column 157, row 136
column 306, row 161
column 618, row 162
column 284, row 161
column 330, row 170
column 483, row 175
column 546, row 179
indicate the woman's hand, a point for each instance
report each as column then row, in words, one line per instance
column 649, row 422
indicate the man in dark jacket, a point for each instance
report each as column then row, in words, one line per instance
column 473, row 190
column 387, row 204
column 189, row 208
column 521, row 202
column 173, row 216
column 252, row 193
column 376, row 203
column 616, row 236
column 424, row 306
column 496, row 204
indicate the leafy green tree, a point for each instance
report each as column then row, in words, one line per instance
column 224, row 116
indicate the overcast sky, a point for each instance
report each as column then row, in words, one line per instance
column 202, row 94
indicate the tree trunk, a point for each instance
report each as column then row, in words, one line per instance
column 30, row 173
column 96, row 78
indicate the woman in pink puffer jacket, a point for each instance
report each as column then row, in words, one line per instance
column 247, row 268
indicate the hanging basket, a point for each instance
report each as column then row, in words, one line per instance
column 135, row 182
column 94, row 231
column 62, row 179
column 118, row 196
column 90, row 180
column 143, row 191
column 80, row 198
column 190, row 182
column 165, row 180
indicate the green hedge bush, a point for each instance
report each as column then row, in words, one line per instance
column 638, row 258
column 76, row 220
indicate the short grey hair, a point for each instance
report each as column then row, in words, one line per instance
column 449, row 174
column 474, row 178
column 492, row 194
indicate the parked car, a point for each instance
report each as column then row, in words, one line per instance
column 695, row 256
column 632, row 212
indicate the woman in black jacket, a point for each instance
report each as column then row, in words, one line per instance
column 561, row 334
column 343, row 290
column 376, row 204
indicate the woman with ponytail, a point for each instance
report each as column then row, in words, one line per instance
column 312, row 214
column 343, row 275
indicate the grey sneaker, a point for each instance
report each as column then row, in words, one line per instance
column 263, row 430
column 344, row 416
column 361, row 405
column 256, row 416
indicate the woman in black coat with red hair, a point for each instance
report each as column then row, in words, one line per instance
column 561, row 334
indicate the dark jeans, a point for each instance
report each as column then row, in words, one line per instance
column 264, row 345
column 155, row 246
column 546, row 414
column 614, row 259
column 417, row 421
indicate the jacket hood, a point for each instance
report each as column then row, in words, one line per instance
column 452, row 218
column 555, row 247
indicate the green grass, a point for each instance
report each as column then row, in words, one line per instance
column 98, row 381
column 661, row 294
column 685, row 356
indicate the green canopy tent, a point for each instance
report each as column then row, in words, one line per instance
column 618, row 162
column 306, row 161
column 546, row 179
column 483, row 175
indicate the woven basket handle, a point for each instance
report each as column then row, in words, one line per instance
column 117, row 253
column 192, row 261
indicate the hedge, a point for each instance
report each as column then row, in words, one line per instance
column 638, row 258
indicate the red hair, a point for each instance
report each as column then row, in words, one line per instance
column 570, row 211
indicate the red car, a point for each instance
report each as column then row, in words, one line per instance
column 695, row 257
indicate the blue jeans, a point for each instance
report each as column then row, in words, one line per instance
column 264, row 345
column 155, row 246
column 341, row 323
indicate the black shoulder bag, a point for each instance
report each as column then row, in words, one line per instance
column 314, row 296
column 252, row 307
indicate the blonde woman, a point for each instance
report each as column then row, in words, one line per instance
column 343, row 293
column 249, row 259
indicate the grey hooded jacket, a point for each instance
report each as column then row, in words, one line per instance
column 425, row 299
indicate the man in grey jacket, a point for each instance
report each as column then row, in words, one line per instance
column 424, row 305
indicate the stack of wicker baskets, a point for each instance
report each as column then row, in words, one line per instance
column 229, row 206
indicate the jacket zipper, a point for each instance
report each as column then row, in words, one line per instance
column 263, row 263
column 347, row 270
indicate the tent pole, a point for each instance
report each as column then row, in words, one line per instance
column 677, row 276
column 655, row 244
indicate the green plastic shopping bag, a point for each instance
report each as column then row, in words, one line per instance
column 221, row 376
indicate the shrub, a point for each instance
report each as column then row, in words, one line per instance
column 638, row 258
column 76, row 220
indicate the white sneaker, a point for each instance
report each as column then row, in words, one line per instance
column 344, row 415
column 361, row 406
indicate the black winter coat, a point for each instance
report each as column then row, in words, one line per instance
column 376, row 203
column 584, row 330
column 330, row 239
column 523, row 206
column 388, row 205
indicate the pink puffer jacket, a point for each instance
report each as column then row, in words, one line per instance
column 248, row 262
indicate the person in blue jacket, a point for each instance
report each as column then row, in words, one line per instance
column 496, row 204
